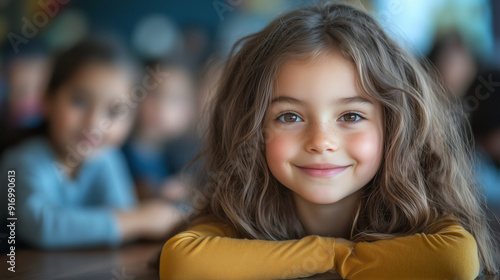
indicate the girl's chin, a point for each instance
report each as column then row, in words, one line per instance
column 329, row 197
column 83, row 152
column 325, row 201
column 322, row 200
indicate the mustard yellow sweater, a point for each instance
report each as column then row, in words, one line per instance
column 212, row 251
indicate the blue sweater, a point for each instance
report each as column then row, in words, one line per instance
column 55, row 211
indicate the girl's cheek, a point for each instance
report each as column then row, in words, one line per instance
column 118, row 131
column 280, row 147
column 366, row 148
column 68, row 118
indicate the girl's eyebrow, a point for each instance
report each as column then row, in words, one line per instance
column 354, row 99
column 341, row 101
column 287, row 99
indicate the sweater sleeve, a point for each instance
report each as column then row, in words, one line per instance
column 450, row 253
column 211, row 251
column 45, row 222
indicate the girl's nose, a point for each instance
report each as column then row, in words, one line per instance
column 92, row 119
column 321, row 139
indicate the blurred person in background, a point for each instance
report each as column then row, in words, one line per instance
column 483, row 103
column 26, row 80
column 454, row 61
column 73, row 189
column 163, row 140
column 25, row 75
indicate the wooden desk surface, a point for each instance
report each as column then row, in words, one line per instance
column 129, row 262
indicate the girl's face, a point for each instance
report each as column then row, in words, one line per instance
column 324, row 139
column 88, row 112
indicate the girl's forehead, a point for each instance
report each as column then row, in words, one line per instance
column 101, row 81
column 324, row 79
column 326, row 70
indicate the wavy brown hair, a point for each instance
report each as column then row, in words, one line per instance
column 425, row 173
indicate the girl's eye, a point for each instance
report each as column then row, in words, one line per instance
column 114, row 112
column 351, row 117
column 78, row 101
column 289, row 118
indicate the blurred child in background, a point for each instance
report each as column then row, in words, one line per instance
column 26, row 75
column 26, row 78
column 483, row 103
column 454, row 61
column 72, row 186
column 163, row 141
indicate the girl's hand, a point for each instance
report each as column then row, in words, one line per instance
column 157, row 218
column 175, row 189
column 150, row 220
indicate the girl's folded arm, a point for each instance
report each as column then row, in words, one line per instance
column 451, row 253
column 211, row 251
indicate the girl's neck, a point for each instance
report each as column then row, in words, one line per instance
column 334, row 220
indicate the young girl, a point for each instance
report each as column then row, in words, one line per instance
column 331, row 149
column 72, row 188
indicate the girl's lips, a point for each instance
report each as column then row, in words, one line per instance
column 93, row 142
column 323, row 171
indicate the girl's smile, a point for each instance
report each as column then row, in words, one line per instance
column 322, row 170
